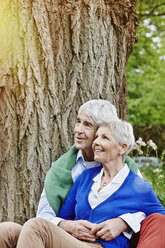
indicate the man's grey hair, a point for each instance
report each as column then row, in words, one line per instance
column 122, row 131
column 99, row 111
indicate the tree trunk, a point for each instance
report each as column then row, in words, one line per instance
column 54, row 56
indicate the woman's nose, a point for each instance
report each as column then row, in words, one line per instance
column 96, row 141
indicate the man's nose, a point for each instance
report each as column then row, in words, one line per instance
column 79, row 128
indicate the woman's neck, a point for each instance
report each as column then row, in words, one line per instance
column 110, row 170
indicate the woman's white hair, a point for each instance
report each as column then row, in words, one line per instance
column 122, row 131
column 99, row 110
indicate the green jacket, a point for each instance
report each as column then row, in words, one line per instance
column 58, row 181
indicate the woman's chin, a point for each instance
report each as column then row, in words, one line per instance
column 97, row 158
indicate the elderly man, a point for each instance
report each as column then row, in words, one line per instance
column 59, row 180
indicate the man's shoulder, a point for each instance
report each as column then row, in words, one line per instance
column 131, row 164
column 71, row 152
column 68, row 159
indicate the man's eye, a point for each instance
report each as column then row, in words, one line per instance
column 105, row 137
column 88, row 124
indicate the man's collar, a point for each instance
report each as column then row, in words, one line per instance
column 86, row 164
column 79, row 155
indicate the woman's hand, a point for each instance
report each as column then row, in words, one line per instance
column 80, row 229
column 109, row 229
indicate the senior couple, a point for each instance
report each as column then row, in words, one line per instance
column 108, row 200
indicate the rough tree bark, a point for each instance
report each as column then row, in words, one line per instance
column 54, row 55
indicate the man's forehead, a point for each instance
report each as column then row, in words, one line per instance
column 85, row 117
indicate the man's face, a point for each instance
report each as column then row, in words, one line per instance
column 84, row 133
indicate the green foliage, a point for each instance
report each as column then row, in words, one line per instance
column 156, row 132
column 156, row 177
column 146, row 88
column 145, row 67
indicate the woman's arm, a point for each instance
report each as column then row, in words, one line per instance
column 80, row 229
column 67, row 211
column 151, row 202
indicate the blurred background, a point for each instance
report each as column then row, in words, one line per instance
column 146, row 74
column 146, row 92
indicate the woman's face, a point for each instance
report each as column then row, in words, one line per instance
column 105, row 147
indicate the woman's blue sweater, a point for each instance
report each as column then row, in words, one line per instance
column 134, row 195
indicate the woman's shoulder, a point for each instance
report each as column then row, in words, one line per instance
column 87, row 175
column 91, row 172
column 139, row 183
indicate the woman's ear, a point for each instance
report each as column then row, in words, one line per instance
column 123, row 148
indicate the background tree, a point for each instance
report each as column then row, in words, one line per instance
column 54, row 55
column 146, row 74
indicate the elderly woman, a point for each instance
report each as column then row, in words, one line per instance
column 99, row 194
column 103, row 193
column 111, row 190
